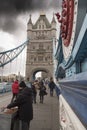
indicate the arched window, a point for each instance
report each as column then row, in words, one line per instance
column 40, row 58
column 42, row 26
column 39, row 26
column 40, row 46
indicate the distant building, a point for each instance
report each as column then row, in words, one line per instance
column 11, row 77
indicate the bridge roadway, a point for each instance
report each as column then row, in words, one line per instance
column 46, row 114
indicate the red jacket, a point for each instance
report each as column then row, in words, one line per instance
column 15, row 87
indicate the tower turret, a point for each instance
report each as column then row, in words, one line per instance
column 29, row 28
column 53, row 26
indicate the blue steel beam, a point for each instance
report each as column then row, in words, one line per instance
column 8, row 56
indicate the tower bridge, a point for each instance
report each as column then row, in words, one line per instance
column 40, row 49
column 70, row 73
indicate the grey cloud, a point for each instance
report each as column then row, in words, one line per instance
column 10, row 24
column 11, row 9
column 17, row 6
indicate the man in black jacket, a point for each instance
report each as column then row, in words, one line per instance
column 24, row 103
column 51, row 86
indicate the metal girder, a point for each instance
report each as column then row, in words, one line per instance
column 10, row 55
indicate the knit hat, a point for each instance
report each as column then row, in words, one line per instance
column 22, row 84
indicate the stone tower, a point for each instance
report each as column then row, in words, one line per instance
column 40, row 48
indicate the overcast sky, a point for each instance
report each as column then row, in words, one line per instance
column 14, row 16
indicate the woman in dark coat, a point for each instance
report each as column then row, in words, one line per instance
column 24, row 103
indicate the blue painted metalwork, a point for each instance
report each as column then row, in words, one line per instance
column 74, row 84
column 79, row 52
column 59, row 52
column 10, row 55
column 59, row 57
column 80, row 47
column 75, row 92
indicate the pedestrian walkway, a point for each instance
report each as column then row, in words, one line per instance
column 46, row 114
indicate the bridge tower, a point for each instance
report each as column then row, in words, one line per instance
column 40, row 48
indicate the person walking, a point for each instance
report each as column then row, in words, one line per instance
column 42, row 91
column 51, row 86
column 15, row 90
column 25, row 108
column 34, row 92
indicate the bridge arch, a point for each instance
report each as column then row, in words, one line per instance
column 38, row 69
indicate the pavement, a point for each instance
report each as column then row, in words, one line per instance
column 46, row 115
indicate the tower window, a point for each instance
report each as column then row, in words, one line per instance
column 40, row 46
column 40, row 58
column 34, row 58
column 45, row 58
column 39, row 26
column 48, row 47
column 33, row 47
column 42, row 26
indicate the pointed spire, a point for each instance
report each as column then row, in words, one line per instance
column 53, row 20
column 30, row 21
